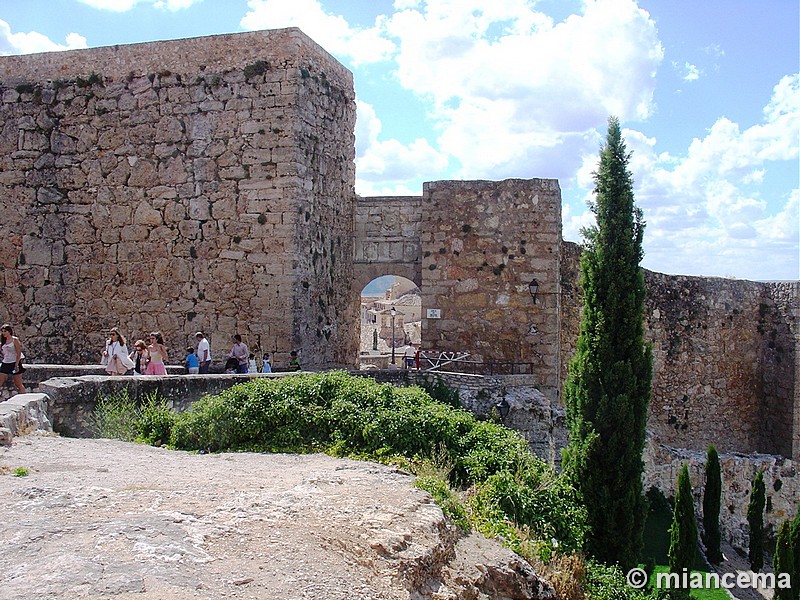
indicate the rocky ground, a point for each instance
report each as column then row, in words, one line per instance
column 108, row 519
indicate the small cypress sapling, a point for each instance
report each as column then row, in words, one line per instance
column 755, row 519
column 712, row 498
column 784, row 560
column 683, row 532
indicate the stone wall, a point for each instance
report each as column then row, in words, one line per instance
column 482, row 244
column 724, row 354
column 387, row 238
column 200, row 184
column 781, row 479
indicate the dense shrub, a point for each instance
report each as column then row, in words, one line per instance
column 755, row 520
column 514, row 495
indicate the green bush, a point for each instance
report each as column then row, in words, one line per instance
column 155, row 421
column 115, row 417
column 517, row 495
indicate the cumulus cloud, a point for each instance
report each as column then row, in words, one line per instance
column 126, row 5
column 332, row 32
column 389, row 164
column 31, row 42
column 705, row 209
column 519, row 86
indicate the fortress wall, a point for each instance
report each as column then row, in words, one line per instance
column 170, row 186
column 724, row 354
column 482, row 244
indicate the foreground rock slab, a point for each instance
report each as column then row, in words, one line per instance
column 109, row 519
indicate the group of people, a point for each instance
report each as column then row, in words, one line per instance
column 149, row 358
column 146, row 358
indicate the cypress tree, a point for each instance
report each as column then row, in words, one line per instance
column 683, row 532
column 608, row 386
column 712, row 498
column 784, row 560
column 755, row 519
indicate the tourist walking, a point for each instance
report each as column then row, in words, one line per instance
column 203, row 352
column 266, row 366
column 12, row 358
column 115, row 356
column 240, row 352
column 158, row 355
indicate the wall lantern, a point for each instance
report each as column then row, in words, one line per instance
column 503, row 408
column 533, row 287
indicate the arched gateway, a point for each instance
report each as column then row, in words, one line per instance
column 207, row 184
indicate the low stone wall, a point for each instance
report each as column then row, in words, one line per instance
column 781, row 478
column 71, row 400
column 22, row 414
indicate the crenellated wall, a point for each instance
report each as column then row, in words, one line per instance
column 200, row 184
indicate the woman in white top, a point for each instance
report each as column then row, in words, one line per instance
column 115, row 356
column 12, row 358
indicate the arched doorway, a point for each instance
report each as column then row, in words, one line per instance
column 390, row 320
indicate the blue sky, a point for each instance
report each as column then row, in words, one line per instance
column 708, row 94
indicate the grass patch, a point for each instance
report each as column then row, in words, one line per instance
column 656, row 547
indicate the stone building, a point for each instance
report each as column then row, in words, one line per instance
column 208, row 184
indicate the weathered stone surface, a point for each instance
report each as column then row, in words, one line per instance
column 141, row 154
column 104, row 518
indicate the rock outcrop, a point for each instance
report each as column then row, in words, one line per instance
column 103, row 518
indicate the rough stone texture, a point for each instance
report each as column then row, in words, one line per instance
column 387, row 239
column 483, row 243
column 100, row 518
column 192, row 184
column 781, row 478
column 22, row 414
column 724, row 355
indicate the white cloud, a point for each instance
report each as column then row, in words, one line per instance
column 510, row 89
column 706, row 211
column 332, row 32
column 379, row 162
column 126, row 5
column 31, row 42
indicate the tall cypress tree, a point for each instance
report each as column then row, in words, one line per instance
column 794, row 540
column 712, row 498
column 683, row 532
column 608, row 387
column 783, row 562
column 755, row 519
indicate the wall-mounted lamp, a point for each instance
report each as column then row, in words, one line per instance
column 503, row 408
column 533, row 287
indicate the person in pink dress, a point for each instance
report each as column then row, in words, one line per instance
column 158, row 355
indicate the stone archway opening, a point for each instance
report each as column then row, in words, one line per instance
column 390, row 320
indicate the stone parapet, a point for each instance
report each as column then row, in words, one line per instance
column 71, row 400
column 23, row 414
column 781, row 479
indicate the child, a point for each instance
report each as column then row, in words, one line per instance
column 231, row 366
column 191, row 362
column 266, row 367
column 251, row 364
column 294, row 363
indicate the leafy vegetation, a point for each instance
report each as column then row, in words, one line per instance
column 683, row 532
column 712, row 499
column 783, row 561
column 755, row 520
column 608, row 386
